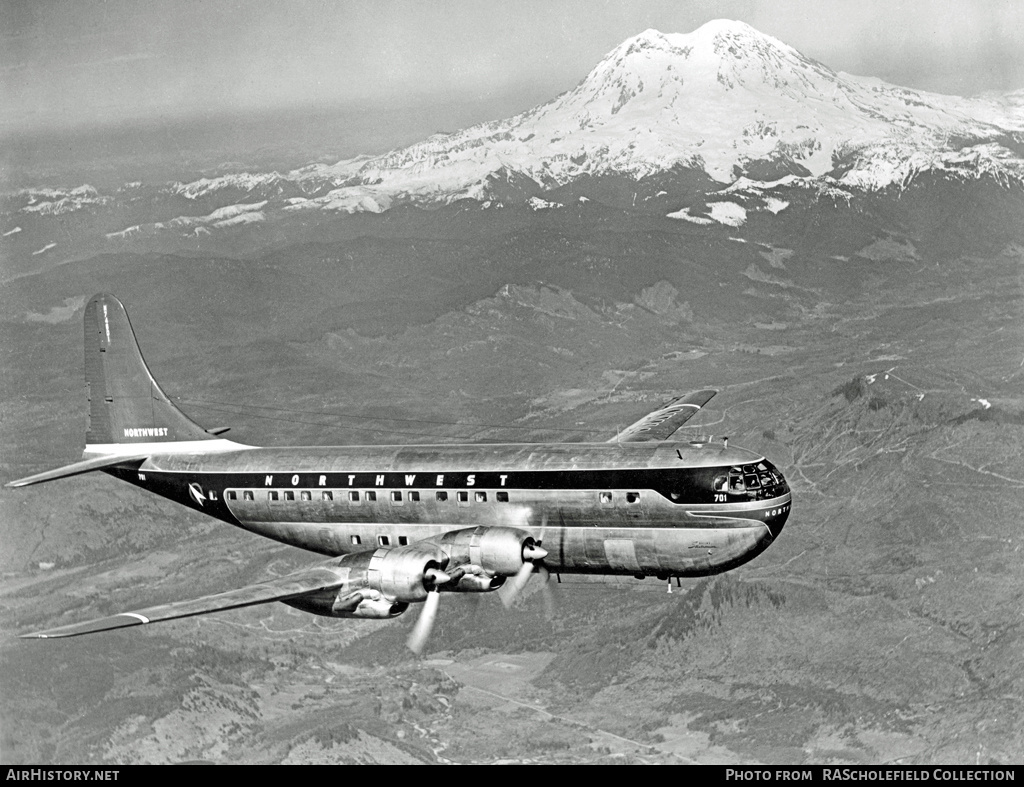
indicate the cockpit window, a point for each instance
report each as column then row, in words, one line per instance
column 757, row 481
column 731, row 484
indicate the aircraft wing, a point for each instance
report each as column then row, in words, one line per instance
column 662, row 424
column 290, row 586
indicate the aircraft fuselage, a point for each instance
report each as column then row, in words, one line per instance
column 651, row 509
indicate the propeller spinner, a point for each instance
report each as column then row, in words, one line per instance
column 533, row 557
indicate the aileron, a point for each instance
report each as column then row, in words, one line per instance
column 299, row 584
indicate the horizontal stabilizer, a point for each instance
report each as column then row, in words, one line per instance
column 85, row 466
column 291, row 586
column 663, row 423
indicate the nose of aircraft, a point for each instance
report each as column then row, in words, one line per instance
column 775, row 517
column 778, row 514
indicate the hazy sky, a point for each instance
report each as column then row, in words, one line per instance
column 83, row 62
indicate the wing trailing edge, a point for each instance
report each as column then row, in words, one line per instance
column 298, row 584
column 663, row 423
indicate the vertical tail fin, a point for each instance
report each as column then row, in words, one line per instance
column 126, row 404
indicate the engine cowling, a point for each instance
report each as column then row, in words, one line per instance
column 496, row 550
column 380, row 584
column 406, row 573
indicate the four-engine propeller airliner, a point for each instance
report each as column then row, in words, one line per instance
column 405, row 523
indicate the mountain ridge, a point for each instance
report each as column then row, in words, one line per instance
column 701, row 126
column 658, row 101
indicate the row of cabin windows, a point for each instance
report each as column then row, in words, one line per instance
column 383, row 541
column 355, row 496
column 413, row 496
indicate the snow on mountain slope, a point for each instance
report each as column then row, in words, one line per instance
column 722, row 108
column 717, row 99
column 227, row 216
column 55, row 202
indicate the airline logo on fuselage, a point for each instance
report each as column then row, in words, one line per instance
column 148, row 431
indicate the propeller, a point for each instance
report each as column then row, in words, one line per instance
column 533, row 554
column 432, row 579
column 424, row 623
column 547, row 594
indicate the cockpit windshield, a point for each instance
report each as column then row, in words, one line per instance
column 757, row 481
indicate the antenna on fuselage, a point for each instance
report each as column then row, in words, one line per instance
column 725, row 442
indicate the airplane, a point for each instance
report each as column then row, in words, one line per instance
column 403, row 524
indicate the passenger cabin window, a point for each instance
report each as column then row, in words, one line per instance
column 353, row 497
column 289, row 495
column 463, row 498
column 272, row 495
column 384, row 541
column 396, row 497
column 481, row 497
column 632, row 497
column 403, row 541
column 371, row 496
column 442, row 497
column 355, row 540
column 232, row 496
column 327, row 495
column 414, row 497
column 248, row 495
column 606, row 498
column 502, row 497
column 305, row 495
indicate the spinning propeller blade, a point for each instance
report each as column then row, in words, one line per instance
column 517, row 584
column 547, row 594
column 421, row 631
column 433, row 578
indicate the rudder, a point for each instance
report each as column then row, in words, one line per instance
column 126, row 405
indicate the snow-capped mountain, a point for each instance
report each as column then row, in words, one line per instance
column 54, row 202
column 702, row 127
column 725, row 101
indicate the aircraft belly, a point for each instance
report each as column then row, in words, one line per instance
column 654, row 551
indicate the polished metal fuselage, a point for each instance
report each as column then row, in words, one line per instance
column 604, row 508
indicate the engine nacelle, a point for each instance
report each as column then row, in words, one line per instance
column 406, row 573
column 497, row 550
column 381, row 584
column 474, row 580
column 343, row 604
